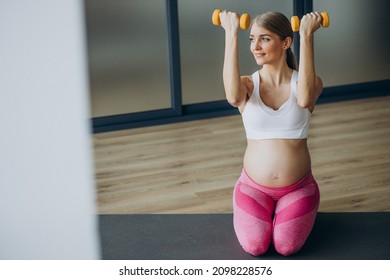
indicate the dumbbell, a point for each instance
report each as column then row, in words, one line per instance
column 245, row 19
column 295, row 21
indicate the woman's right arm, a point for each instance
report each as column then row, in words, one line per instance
column 236, row 87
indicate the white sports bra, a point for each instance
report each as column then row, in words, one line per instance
column 290, row 121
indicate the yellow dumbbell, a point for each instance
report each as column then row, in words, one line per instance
column 295, row 21
column 245, row 19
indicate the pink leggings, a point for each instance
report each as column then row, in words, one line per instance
column 282, row 215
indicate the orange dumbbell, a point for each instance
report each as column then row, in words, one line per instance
column 295, row 21
column 245, row 19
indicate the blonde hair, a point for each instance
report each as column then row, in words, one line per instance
column 279, row 24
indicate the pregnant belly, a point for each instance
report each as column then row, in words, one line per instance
column 277, row 162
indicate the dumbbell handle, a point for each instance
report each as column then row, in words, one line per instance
column 244, row 19
column 295, row 21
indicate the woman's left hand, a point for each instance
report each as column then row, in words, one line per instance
column 310, row 23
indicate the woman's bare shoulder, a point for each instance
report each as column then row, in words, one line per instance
column 246, row 89
column 247, row 82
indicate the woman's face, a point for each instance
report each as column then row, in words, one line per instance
column 266, row 46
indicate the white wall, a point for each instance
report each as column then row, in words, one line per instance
column 47, row 196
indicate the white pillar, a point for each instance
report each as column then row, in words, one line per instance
column 47, row 195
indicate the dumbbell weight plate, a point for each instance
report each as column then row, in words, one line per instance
column 215, row 18
column 325, row 19
column 295, row 23
column 245, row 21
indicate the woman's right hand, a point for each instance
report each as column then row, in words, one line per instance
column 230, row 21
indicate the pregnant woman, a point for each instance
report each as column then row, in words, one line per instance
column 276, row 197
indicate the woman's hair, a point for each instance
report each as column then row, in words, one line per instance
column 280, row 25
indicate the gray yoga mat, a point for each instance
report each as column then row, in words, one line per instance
column 335, row 236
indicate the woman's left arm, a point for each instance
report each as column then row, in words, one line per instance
column 309, row 86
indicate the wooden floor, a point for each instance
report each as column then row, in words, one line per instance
column 191, row 167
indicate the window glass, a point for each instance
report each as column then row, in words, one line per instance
column 354, row 48
column 128, row 56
